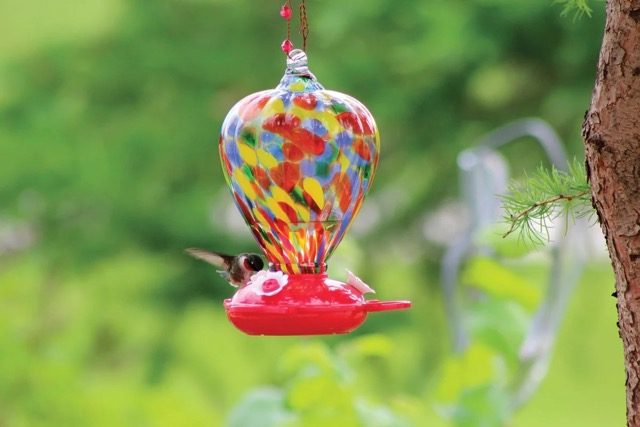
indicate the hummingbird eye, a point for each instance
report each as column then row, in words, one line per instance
column 255, row 262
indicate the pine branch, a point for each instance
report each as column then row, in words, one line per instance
column 531, row 206
column 578, row 7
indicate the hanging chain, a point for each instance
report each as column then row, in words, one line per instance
column 304, row 25
column 285, row 13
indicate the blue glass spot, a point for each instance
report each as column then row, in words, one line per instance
column 326, row 155
column 232, row 153
column 344, row 139
column 266, row 137
column 321, row 250
column 237, row 189
column 308, row 167
column 315, row 126
column 286, row 98
column 324, row 180
column 232, row 127
column 275, row 150
column 346, row 219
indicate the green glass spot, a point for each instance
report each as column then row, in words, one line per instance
column 322, row 169
column 296, row 194
column 247, row 171
column 367, row 171
column 249, row 137
column 339, row 108
column 334, row 152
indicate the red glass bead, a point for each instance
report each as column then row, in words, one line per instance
column 285, row 12
column 286, row 46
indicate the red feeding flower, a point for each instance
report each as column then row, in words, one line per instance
column 270, row 285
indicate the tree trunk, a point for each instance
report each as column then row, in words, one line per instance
column 611, row 131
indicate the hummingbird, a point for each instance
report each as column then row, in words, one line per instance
column 237, row 270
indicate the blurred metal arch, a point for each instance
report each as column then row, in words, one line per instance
column 484, row 174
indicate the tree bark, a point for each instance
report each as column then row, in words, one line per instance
column 611, row 131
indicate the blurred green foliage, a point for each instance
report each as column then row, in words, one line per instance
column 109, row 114
column 319, row 390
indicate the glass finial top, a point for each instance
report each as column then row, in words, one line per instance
column 297, row 64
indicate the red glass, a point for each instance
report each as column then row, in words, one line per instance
column 286, row 46
column 285, row 12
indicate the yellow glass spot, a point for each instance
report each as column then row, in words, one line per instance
column 331, row 123
column 314, row 189
column 344, row 162
column 272, row 204
column 303, row 213
column 327, row 118
column 244, row 183
column 266, row 159
column 296, row 86
column 274, row 106
column 295, row 269
column 248, row 154
column 261, row 219
column 276, row 252
column 281, row 196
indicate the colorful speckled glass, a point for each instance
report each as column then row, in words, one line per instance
column 299, row 160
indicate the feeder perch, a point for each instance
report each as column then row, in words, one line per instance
column 299, row 161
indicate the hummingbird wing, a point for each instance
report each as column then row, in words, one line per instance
column 214, row 258
column 226, row 276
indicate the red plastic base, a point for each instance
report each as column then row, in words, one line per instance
column 308, row 304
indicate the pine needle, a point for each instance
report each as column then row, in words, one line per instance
column 531, row 206
column 579, row 8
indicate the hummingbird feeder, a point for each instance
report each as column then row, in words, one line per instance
column 299, row 160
